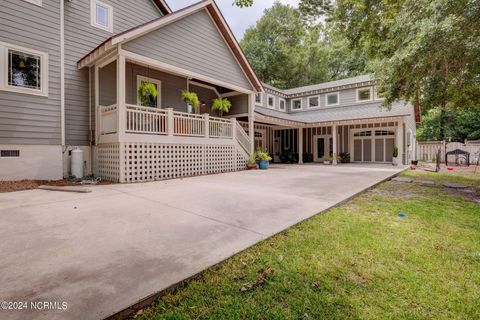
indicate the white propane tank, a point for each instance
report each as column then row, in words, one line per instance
column 77, row 163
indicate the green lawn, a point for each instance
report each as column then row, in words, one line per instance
column 356, row 261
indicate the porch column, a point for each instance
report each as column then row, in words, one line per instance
column 121, row 107
column 98, row 119
column 300, row 145
column 400, row 142
column 251, row 123
column 334, row 151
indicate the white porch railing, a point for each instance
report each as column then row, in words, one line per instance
column 146, row 120
column 243, row 138
column 154, row 121
column 187, row 124
column 220, row 128
column 108, row 123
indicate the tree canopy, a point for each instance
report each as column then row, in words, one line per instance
column 423, row 51
column 287, row 51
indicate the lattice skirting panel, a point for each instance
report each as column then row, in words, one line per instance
column 108, row 161
column 141, row 162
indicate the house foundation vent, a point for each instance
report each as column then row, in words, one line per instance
column 9, row 153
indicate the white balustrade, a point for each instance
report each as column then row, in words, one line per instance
column 146, row 120
column 108, row 123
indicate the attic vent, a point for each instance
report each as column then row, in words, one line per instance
column 9, row 153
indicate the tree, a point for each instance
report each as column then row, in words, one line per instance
column 287, row 51
column 449, row 124
column 277, row 47
column 425, row 51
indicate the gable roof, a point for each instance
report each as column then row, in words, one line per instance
column 148, row 27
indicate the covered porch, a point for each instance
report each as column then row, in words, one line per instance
column 360, row 140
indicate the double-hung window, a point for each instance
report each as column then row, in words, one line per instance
column 101, row 15
column 23, row 70
column 258, row 99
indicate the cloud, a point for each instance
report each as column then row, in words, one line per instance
column 239, row 19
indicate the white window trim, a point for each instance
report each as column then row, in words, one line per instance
column 261, row 100
column 301, row 104
column 362, row 89
column 93, row 15
column 35, row 2
column 268, row 98
column 312, row 97
column 376, row 95
column 284, row 104
column 141, row 78
column 4, row 47
column 331, row 94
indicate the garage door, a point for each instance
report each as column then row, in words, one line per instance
column 373, row 146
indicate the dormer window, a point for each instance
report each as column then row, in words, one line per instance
column 332, row 99
column 364, row 94
column 102, row 15
column 258, row 99
column 271, row 101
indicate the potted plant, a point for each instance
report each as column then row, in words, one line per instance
column 395, row 156
column 287, row 156
column 252, row 162
column 191, row 99
column 147, row 93
column 344, row 157
column 263, row 158
column 221, row 106
column 327, row 159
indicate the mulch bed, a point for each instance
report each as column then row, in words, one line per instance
column 11, row 186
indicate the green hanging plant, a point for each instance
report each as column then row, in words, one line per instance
column 147, row 92
column 221, row 106
column 191, row 98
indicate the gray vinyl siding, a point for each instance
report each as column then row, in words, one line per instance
column 80, row 39
column 171, row 90
column 24, row 118
column 195, row 44
column 347, row 98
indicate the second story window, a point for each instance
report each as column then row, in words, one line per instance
column 271, row 101
column 101, row 15
column 282, row 104
column 258, row 99
column 297, row 104
column 364, row 94
column 314, row 102
column 331, row 99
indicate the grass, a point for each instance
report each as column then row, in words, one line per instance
column 357, row 261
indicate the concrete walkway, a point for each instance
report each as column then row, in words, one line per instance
column 104, row 251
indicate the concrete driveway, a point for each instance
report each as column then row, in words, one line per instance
column 92, row 255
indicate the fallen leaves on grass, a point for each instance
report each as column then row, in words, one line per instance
column 263, row 275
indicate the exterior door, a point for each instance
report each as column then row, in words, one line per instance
column 321, row 147
column 373, row 145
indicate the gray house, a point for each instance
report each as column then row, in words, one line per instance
column 71, row 72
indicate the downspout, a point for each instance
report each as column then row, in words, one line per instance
column 62, row 70
column 90, row 117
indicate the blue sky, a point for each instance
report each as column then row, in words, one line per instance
column 239, row 19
